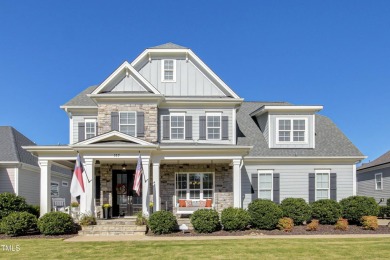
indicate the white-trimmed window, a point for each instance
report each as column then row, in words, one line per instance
column 378, row 181
column 194, row 185
column 90, row 128
column 168, row 71
column 128, row 123
column 265, row 184
column 213, row 126
column 55, row 189
column 322, row 185
column 291, row 130
column 177, row 126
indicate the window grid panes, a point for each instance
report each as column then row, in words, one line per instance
column 168, row 70
column 177, row 127
column 90, row 129
column 322, row 186
column 292, row 130
column 181, row 186
column 214, row 127
column 127, row 122
column 194, row 185
column 378, row 181
column 55, row 189
column 265, row 186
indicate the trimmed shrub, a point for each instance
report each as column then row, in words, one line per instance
column 341, row 224
column 205, row 220
column 297, row 209
column 369, row 222
column 286, row 224
column 35, row 210
column 18, row 223
column 235, row 219
column 388, row 202
column 384, row 212
column 355, row 207
column 264, row 214
column 10, row 203
column 313, row 225
column 87, row 220
column 326, row 211
column 162, row 222
column 56, row 223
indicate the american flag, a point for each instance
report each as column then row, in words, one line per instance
column 77, row 185
column 138, row 173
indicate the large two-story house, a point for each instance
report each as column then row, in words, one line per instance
column 201, row 145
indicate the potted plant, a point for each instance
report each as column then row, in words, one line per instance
column 107, row 211
column 74, row 209
column 151, row 206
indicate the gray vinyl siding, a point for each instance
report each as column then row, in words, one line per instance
column 190, row 81
column 196, row 113
column 366, row 184
column 76, row 120
column 64, row 191
column 262, row 121
column 294, row 180
column 29, row 186
column 7, row 180
column 273, row 131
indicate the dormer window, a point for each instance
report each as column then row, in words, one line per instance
column 168, row 71
column 292, row 130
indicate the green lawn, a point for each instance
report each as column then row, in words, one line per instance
column 359, row 248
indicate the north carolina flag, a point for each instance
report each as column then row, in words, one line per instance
column 137, row 179
column 77, row 185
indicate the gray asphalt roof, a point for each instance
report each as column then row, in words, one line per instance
column 81, row 99
column 330, row 141
column 168, row 45
column 384, row 158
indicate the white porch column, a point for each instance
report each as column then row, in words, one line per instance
column 145, row 185
column 236, row 184
column 156, row 187
column 89, row 196
column 45, row 200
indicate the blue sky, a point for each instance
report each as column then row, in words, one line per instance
column 332, row 53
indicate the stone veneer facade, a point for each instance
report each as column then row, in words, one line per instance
column 150, row 113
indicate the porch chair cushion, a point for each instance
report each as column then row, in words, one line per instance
column 188, row 203
column 208, row 203
column 182, row 203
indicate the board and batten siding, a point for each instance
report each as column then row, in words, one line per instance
column 196, row 113
column 7, row 180
column 190, row 81
column 294, row 180
column 366, row 184
column 29, row 186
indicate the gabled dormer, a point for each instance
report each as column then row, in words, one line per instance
column 287, row 126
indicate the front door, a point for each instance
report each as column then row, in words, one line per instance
column 125, row 200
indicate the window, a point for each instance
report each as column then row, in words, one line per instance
column 194, row 185
column 265, row 185
column 177, row 126
column 378, row 181
column 55, row 189
column 292, row 130
column 168, row 70
column 322, row 185
column 213, row 126
column 127, row 123
column 90, row 128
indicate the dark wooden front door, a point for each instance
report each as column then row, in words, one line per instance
column 122, row 190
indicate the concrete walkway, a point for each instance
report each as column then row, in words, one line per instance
column 164, row 238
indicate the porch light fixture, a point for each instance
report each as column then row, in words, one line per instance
column 124, row 167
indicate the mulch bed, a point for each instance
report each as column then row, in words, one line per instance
column 298, row 230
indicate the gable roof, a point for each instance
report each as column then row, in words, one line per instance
column 168, row 45
column 11, row 142
column 114, row 137
column 330, row 141
column 383, row 159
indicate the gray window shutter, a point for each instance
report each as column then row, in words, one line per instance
column 202, row 128
column 140, row 124
column 276, row 188
column 166, row 128
column 225, row 128
column 333, row 186
column 115, row 121
column 188, row 127
column 81, row 131
column 255, row 182
column 97, row 128
column 312, row 187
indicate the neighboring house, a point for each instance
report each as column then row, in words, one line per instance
column 20, row 173
column 373, row 179
column 201, row 144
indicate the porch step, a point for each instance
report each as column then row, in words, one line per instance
column 113, row 227
column 114, row 222
column 181, row 221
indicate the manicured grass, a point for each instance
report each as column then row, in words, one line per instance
column 352, row 248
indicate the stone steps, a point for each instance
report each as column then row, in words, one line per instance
column 113, row 227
